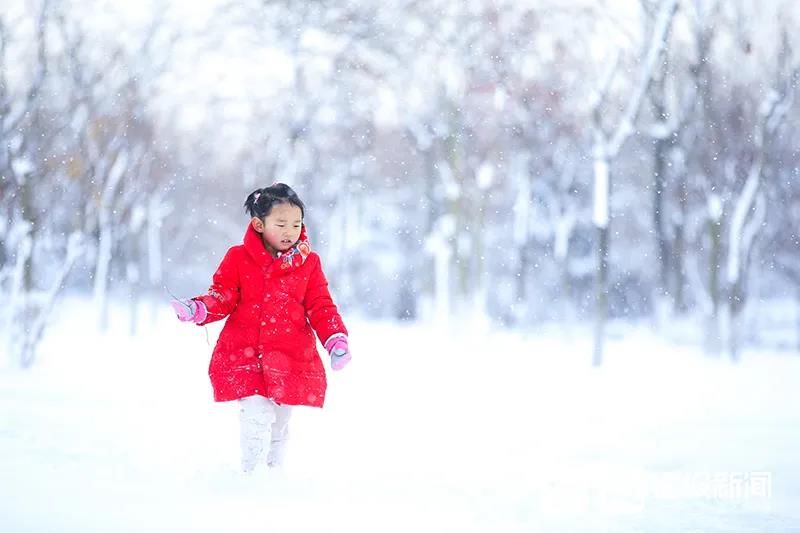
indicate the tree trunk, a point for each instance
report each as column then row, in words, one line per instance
column 461, row 239
column 27, row 210
column 156, row 211
column 564, row 226
column 601, row 218
column 133, row 279
column 39, row 312
column 18, row 299
column 713, row 340
column 427, row 265
column 662, row 298
column 601, row 295
column 101, row 271
column 478, row 287
column 441, row 260
column 521, row 303
column 679, row 248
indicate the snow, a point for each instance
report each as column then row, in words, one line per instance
column 22, row 167
column 714, row 207
column 427, row 429
column 485, row 177
column 386, row 113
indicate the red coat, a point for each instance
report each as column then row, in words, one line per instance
column 267, row 346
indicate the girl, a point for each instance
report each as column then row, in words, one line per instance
column 273, row 291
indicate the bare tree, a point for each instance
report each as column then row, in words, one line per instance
column 606, row 148
column 749, row 211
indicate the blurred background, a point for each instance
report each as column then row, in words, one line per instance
column 564, row 236
column 501, row 164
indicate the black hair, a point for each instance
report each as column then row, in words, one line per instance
column 261, row 201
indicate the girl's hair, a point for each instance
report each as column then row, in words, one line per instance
column 261, row 201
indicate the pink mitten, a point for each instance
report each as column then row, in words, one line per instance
column 339, row 351
column 189, row 310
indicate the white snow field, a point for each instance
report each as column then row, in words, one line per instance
column 426, row 430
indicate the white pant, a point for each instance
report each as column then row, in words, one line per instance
column 263, row 429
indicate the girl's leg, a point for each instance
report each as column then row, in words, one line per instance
column 280, row 434
column 256, row 416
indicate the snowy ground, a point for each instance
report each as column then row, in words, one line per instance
column 425, row 431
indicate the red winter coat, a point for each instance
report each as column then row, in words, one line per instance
column 267, row 346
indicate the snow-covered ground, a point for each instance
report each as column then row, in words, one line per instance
column 425, row 431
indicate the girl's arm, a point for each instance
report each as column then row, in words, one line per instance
column 320, row 309
column 223, row 295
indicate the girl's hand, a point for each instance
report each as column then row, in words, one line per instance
column 189, row 310
column 339, row 351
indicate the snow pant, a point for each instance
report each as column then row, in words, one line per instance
column 263, row 431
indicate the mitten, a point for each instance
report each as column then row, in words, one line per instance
column 189, row 310
column 339, row 351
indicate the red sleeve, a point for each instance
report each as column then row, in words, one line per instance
column 223, row 295
column 320, row 309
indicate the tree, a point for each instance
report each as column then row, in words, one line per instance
column 607, row 147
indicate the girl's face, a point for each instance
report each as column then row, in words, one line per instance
column 280, row 230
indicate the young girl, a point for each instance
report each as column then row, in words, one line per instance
column 273, row 291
